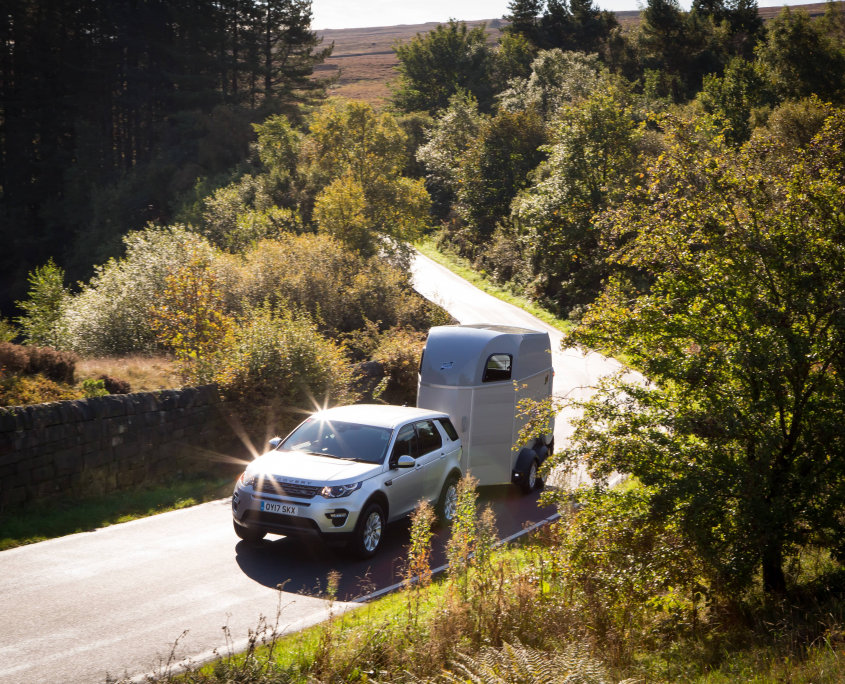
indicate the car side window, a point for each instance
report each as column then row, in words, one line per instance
column 406, row 443
column 498, row 367
column 428, row 438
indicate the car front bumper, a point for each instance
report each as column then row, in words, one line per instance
column 333, row 519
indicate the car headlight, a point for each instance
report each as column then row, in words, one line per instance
column 339, row 491
column 247, row 479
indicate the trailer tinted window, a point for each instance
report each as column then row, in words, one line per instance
column 498, row 368
column 448, row 428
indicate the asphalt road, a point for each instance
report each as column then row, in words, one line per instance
column 576, row 372
column 124, row 600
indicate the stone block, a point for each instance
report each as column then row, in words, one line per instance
column 18, row 495
column 108, row 407
column 168, row 399
column 8, row 420
column 68, row 461
column 96, row 459
column 42, row 474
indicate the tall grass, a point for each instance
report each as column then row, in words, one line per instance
column 144, row 373
column 517, row 615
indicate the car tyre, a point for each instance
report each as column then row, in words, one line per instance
column 369, row 531
column 531, row 480
column 447, row 504
column 249, row 534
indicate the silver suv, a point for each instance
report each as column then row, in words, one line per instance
column 345, row 472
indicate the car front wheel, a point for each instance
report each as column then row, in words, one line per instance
column 447, row 505
column 369, row 531
column 248, row 534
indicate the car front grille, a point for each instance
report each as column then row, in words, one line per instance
column 299, row 491
column 281, row 523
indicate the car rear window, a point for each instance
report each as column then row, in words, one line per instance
column 448, row 428
column 428, row 436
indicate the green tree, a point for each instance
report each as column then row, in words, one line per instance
column 356, row 152
column 341, row 211
column 680, row 46
column 448, row 142
column 576, row 25
column 524, row 19
column 733, row 97
column 512, row 58
column 43, row 311
column 289, row 50
column 496, row 166
column 802, row 57
column 449, row 59
column 593, row 155
column 556, row 78
column 190, row 318
column 738, row 435
column 740, row 17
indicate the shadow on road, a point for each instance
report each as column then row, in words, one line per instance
column 303, row 565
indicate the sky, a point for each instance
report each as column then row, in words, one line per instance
column 337, row 14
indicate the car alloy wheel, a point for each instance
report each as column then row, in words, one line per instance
column 369, row 531
column 448, row 504
column 373, row 528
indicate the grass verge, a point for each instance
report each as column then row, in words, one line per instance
column 59, row 517
column 414, row 634
column 463, row 268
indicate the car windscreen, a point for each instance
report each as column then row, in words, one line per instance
column 338, row 439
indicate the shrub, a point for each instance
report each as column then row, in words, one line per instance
column 55, row 365
column 114, row 385
column 8, row 332
column 341, row 291
column 399, row 355
column 279, row 361
column 13, row 358
column 621, row 563
column 93, row 388
column 190, row 319
column 111, row 315
column 43, row 309
column 20, row 390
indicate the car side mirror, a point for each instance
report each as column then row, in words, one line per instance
column 406, row 461
column 273, row 443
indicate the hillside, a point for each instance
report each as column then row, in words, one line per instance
column 364, row 61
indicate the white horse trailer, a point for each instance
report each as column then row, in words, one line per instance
column 478, row 374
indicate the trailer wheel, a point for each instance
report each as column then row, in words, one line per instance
column 531, row 479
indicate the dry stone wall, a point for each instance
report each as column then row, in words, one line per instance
column 105, row 444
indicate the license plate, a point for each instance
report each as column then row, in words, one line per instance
column 274, row 507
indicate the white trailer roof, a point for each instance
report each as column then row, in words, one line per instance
column 456, row 355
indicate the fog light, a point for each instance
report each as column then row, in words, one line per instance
column 338, row 517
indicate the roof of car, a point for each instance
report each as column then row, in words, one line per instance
column 380, row 415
